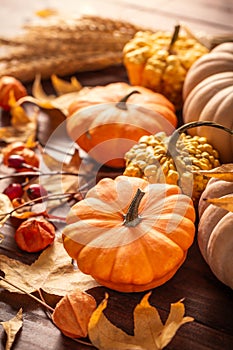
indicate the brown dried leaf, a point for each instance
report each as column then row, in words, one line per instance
column 67, row 92
column 23, row 126
column 5, row 207
column 224, row 172
column 225, row 202
column 12, row 327
column 51, row 272
column 38, row 91
column 149, row 331
column 62, row 86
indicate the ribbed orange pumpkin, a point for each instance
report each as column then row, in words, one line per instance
column 106, row 128
column 130, row 235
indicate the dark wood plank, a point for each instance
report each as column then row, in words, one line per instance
column 206, row 298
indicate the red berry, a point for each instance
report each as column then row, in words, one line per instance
column 16, row 161
column 13, row 191
column 36, row 191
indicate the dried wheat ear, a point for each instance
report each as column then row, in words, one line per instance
column 64, row 47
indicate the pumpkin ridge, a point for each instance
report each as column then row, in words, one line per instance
column 124, row 287
column 137, row 257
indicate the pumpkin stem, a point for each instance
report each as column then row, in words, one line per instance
column 174, row 38
column 122, row 103
column 132, row 218
column 175, row 136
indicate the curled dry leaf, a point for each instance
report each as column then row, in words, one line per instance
column 225, row 202
column 23, row 125
column 66, row 94
column 62, row 86
column 149, row 331
column 12, row 327
column 5, row 207
column 223, row 172
column 51, row 272
column 73, row 312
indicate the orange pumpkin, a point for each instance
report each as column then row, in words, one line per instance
column 130, row 235
column 106, row 125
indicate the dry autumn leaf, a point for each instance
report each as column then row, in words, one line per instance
column 23, row 126
column 225, row 202
column 62, row 86
column 67, row 92
column 47, row 12
column 51, row 272
column 223, row 172
column 5, row 207
column 12, row 327
column 149, row 331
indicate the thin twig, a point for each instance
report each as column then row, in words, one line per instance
column 39, row 173
column 29, row 294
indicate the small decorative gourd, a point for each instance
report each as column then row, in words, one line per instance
column 130, row 235
column 160, row 61
column 158, row 159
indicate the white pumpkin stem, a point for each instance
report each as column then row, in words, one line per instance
column 132, row 218
column 122, row 103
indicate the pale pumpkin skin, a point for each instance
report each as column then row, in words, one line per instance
column 218, row 60
column 124, row 258
column 215, row 237
column 107, row 132
column 208, row 96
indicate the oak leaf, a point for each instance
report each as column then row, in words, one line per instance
column 149, row 331
column 12, row 327
column 51, row 272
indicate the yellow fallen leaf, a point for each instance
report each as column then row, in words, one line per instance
column 62, row 86
column 38, row 91
column 225, row 202
column 51, row 272
column 47, row 12
column 12, row 327
column 67, row 91
column 149, row 331
column 223, row 172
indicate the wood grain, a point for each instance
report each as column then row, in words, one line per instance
column 206, row 299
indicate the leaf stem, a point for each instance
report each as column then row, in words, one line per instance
column 39, row 173
column 49, row 197
column 29, row 294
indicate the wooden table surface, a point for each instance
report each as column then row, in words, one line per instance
column 206, row 299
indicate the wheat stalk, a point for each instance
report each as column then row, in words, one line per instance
column 65, row 46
